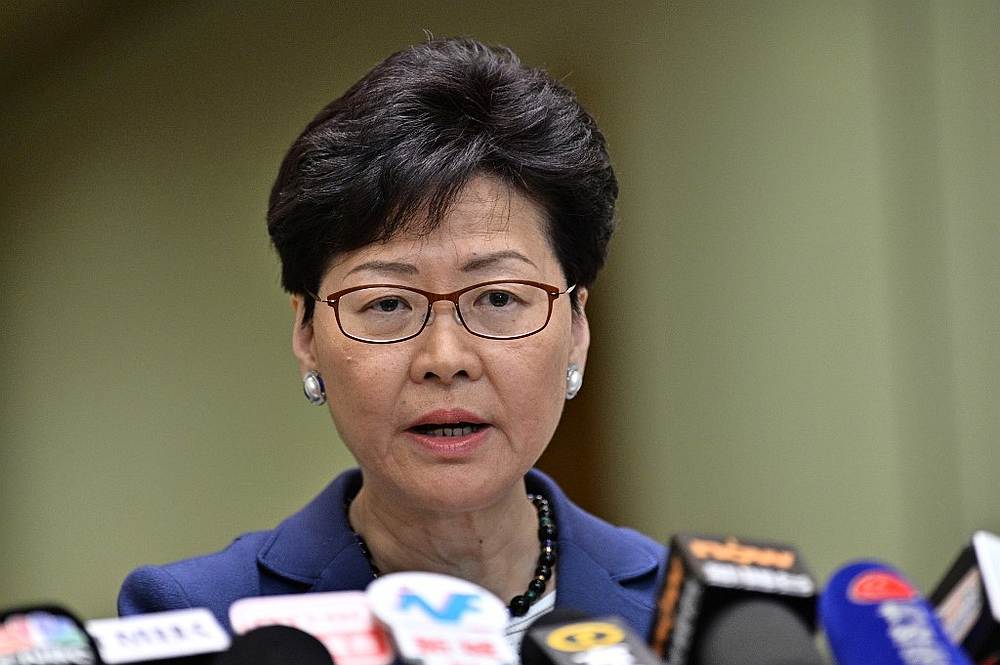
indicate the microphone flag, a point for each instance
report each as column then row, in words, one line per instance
column 967, row 600
column 341, row 620
column 705, row 574
column 45, row 635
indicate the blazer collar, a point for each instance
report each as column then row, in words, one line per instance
column 597, row 561
column 316, row 548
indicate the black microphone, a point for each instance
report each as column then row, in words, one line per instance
column 567, row 638
column 531, row 652
column 706, row 575
column 45, row 635
column 967, row 600
column 756, row 632
column 275, row 645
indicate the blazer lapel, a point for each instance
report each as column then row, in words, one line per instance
column 585, row 585
column 601, row 570
column 315, row 547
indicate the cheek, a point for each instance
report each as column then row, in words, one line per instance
column 532, row 382
column 363, row 388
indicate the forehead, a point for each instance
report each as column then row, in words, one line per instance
column 489, row 225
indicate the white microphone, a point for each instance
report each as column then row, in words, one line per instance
column 441, row 620
column 967, row 600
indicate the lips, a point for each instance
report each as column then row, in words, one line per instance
column 448, row 423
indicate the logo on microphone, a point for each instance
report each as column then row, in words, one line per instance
column 741, row 553
column 435, row 602
column 43, row 636
column 586, row 635
column 454, row 607
column 877, row 586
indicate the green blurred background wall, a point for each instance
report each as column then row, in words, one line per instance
column 797, row 336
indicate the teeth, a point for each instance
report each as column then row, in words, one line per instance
column 452, row 431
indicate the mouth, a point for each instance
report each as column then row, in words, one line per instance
column 448, row 429
column 452, row 433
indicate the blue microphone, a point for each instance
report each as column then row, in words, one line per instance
column 872, row 615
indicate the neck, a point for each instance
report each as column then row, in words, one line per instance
column 495, row 546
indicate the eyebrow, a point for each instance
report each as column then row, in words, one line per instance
column 473, row 265
column 394, row 267
column 493, row 258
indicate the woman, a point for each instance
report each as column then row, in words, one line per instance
column 438, row 226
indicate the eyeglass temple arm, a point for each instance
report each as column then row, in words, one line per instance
column 315, row 297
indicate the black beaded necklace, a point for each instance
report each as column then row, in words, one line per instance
column 518, row 605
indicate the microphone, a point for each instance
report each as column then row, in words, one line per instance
column 530, row 651
column 341, row 620
column 441, row 620
column 177, row 637
column 45, row 635
column 967, row 600
column 757, row 632
column 275, row 645
column 569, row 637
column 872, row 614
column 708, row 574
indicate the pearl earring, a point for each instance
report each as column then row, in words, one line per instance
column 313, row 388
column 574, row 380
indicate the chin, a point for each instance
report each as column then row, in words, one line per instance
column 461, row 489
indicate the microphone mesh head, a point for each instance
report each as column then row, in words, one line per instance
column 757, row 632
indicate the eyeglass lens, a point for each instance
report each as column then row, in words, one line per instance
column 502, row 310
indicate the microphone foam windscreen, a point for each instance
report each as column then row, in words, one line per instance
column 275, row 645
column 757, row 632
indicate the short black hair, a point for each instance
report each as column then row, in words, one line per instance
column 393, row 151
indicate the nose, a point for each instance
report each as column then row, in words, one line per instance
column 444, row 303
column 446, row 350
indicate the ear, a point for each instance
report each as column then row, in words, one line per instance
column 302, row 337
column 581, row 331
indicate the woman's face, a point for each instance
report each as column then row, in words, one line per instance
column 385, row 398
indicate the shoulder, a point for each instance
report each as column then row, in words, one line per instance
column 628, row 557
column 311, row 550
column 624, row 552
column 212, row 581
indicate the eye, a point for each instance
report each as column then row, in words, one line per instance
column 387, row 304
column 498, row 298
column 505, row 297
column 379, row 301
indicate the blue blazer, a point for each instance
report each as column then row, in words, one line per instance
column 602, row 570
